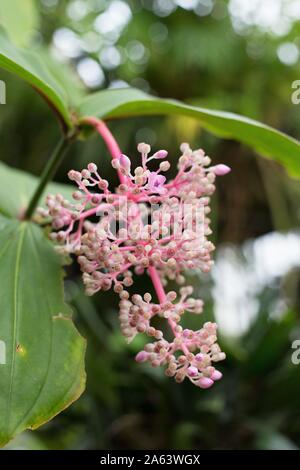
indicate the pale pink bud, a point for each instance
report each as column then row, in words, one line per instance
column 192, row 371
column 115, row 163
column 77, row 195
column 143, row 148
column 160, row 154
column 184, row 147
column 186, row 333
column 125, row 162
column 85, row 174
column 205, row 382
column 74, row 175
column 164, row 166
column 58, row 223
column 221, row 170
column 103, row 184
column 216, row 375
column 141, row 356
column 92, row 167
column 96, row 198
column 199, row 357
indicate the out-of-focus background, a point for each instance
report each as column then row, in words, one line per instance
column 237, row 55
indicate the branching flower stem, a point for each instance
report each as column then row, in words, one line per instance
column 165, row 236
column 115, row 152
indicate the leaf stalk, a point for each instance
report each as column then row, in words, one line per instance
column 48, row 172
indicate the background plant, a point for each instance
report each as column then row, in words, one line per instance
column 240, row 74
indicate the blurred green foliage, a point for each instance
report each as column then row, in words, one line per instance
column 205, row 55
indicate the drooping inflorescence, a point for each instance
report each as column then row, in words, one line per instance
column 148, row 225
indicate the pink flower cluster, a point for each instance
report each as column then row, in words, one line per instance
column 148, row 225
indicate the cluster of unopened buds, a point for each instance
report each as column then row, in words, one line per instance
column 148, row 225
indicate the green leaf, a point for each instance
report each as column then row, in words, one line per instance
column 11, row 11
column 17, row 187
column 32, row 68
column 269, row 439
column 42, row 369
column 65, row 76
column 130, row 102
column 266, row 342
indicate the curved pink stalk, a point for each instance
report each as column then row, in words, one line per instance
column 157, row 284
column 109, row 140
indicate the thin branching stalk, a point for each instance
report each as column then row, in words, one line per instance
column 115, row 152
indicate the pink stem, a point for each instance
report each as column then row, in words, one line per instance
column 161, row 295
column 109, row 140
column 115, row 152
column 160, row 292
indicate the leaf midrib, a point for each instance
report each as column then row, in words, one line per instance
column 15, row 317
column 47, row 301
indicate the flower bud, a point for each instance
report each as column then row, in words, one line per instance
column 204, row 382
column 92, row 167
column 192, row 371
column 221, row 170
column 141, row 356
column 85, row 174
column 160, row 154
column 164, row 166
column 144, row 148
column 74, row 175
column 216, row 375
column 115, row 163
column 125, row 163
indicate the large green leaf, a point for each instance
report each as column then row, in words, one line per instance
column 63, row 94
column 32, row 68
column 131, row 102
column 11, row 11
column 43, row 370
column 17, row 187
